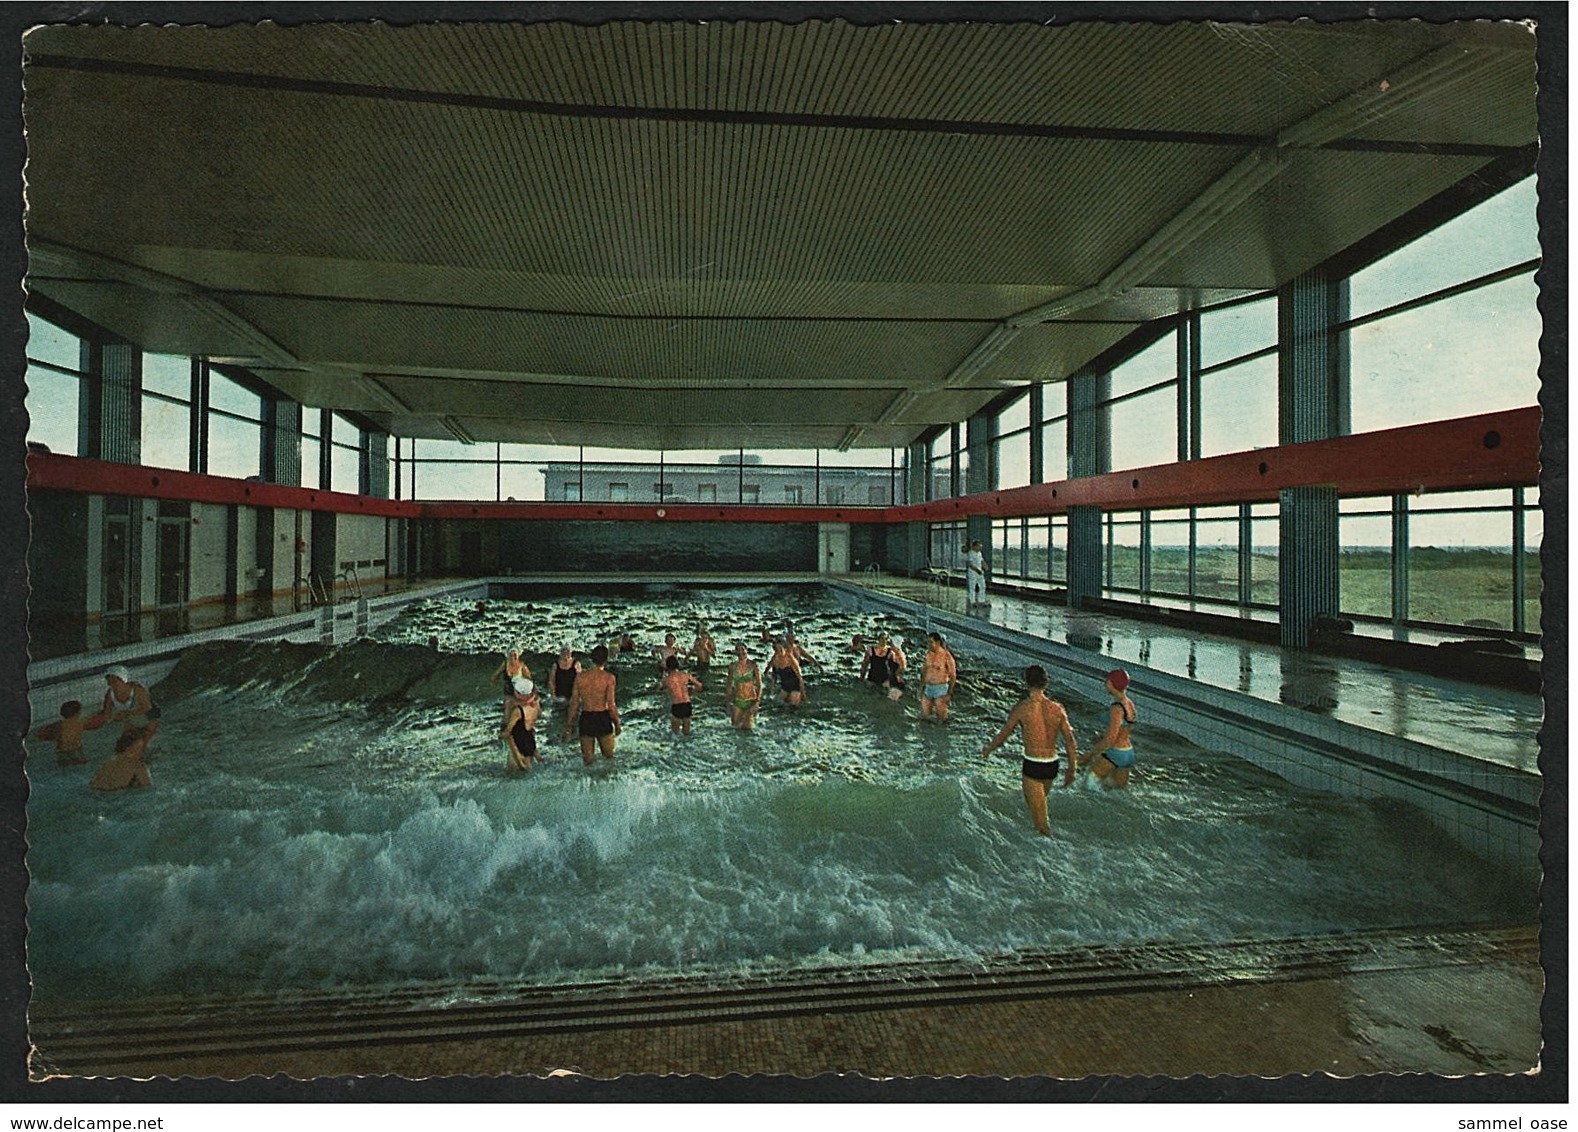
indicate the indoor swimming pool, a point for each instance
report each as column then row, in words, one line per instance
column 324, row 818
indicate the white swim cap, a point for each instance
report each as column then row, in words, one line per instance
column 118, row 671
column 523, row 687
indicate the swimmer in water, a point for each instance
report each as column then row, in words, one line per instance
column 509, row 668
column 678, row 684
column 67, row 733
column 1042, row 723
column 565, row 670
column 669, row 649
column 744, row 689
column 704, row 649
column 800, row 654
column 939, row 677
column 593, row 705
column 1113, row 753
column 521, row 712
column 883, row 667
column 127, row 703
column 786, row 670
column 126, row 767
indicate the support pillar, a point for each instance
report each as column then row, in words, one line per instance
column 377, row 477
column 1089, row 453
column 1312, row 396
column 109, row 416
column 281, row 461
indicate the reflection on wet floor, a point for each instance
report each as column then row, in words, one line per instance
column 1495, row 724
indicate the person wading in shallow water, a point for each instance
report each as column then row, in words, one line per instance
column 1042, row 722
column 1113, row 753
column 592, row 703
column 744, row 689
column 521, row 712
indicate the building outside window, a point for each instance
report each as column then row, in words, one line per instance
column 706, row 493
column 572, row 491
column 618, row 492
column 792, row 493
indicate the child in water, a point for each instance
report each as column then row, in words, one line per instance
column 126, row 767
column 67, row 733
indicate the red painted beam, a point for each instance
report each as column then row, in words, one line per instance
column 52, row 472
column 1490, row 450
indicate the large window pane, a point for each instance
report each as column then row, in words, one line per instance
column 1038, row 546
column 1216, row 559
column 1054, row 400
column 1054, row 451
column 167, row 374
column 1157, row 362
column 1123, row 553
column 234, row 447
column 232, row 398
column 464, row 481
column 1015, row 416
column 47, row 342
column 1265, row 544
column 1232, row 332
column 1533, row 537
column 450, row 450
column 311, row 446
column 1365, row 564
column 1498, row 233
column 1474, row 353
column 1145, row 430
column 1058, row 568
column 52, row 400
column 1460, row 569
column 166, row 437
column 1170, row 553
column 1238, row 408
column 345, row 471
column 1013, row 460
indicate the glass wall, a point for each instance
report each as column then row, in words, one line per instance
column 1011, row 446
column 1447, row 326
column 347, row 455
column 167, row 411
column 945, row 547
column 235, row 428
column 447, row 469
column 1143, row 407
column 54, row 385
column 1364, row 565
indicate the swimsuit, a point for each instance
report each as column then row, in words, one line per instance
column 1121, row 757
column 880, row 669
column 596, row 724
column 739, row 679
column 563, row 681
column 787, row 679
column 681, row 709
column 1045, row 771
column 935, row 691
column 525, row 740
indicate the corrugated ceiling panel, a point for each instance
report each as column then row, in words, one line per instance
column 1099, row 72
column 394, row 338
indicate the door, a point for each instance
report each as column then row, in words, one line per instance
column 835, row 548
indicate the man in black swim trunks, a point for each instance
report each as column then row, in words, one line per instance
column 592, row 701
column 1042, row 723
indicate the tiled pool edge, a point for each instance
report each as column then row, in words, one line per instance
column 1490, row 809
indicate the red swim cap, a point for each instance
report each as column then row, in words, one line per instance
column 1118, row 678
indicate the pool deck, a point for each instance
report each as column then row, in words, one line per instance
column 1485, row 722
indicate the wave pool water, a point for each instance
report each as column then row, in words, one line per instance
column 332, row 817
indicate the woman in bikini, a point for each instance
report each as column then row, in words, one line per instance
column 1113, row 753
column 744, row 689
